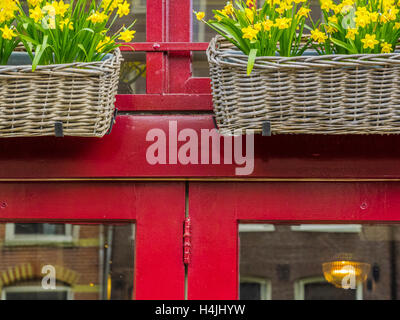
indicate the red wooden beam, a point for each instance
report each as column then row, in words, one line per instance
column 165, row 46
column 162, row 102
column 122, row 154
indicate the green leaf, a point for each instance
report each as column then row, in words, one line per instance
column 39, row 52
column 251, row 60
column 343, row 45
column 80, row 46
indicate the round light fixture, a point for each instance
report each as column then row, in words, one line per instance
column 345, row 274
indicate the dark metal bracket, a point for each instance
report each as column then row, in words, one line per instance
column 112, row 121
column 215, row 122
column 58, row 129
column 266, row 129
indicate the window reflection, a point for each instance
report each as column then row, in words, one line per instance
column 133, row 67
column 132, row 78
column 42, row 261
column 365, row 261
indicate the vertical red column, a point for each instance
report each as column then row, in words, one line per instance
column 159, row 268
column 213, row 271
column 156, row 26
column 179, row 30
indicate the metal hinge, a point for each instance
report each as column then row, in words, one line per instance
column 187, row 241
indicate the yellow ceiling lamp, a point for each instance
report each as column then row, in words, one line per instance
column 345, row 274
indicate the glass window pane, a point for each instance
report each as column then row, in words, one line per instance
column 133, row 67
column 132, row 78
column 325, row 291
column 94, row 262
column 321, row 262
column 138, row 13
column 201, row 32
column 250, row 291
column 200, row 66
column 34, row 228
column 61, row 295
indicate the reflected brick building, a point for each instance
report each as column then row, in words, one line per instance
column 289, row 260
column 91, row 261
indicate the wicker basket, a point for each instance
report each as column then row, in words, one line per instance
column 310, row 94
column 75, row 99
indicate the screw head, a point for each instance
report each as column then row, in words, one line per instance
column 364, row 206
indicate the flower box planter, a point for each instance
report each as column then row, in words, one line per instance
column 75, row 99
column 308, row 94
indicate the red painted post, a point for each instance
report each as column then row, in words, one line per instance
column 213, row 272
column 159, row 270
column 156, row 61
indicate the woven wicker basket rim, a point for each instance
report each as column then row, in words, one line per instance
column 231, row 56
column 65, row 67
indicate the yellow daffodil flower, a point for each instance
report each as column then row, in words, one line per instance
column 327, row 5
column 249, row 33
column 303, row 12
column 333, row 19
column 7, row 33
column 386, row 47
column 369, row 41
column 318, row 36
column 123, row 9
column 110, row 5
column 267, row 24
column 66, row 22
column 97, row 17
column 330, row 29
column 34, row 3
column 282, row 23
column 229, row 8
column 127, row 35
column 200, row 15
column 249, row 14
column 362, row 20
column 258, row 26
column 60, row 7
column 102, row 43
column 351, row 34
column 36, row 14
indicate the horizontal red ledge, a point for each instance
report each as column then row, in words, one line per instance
column 165, row 46
column 160, row 102
column 122, row 154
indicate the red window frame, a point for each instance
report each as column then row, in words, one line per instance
column 169, row 81
column 216, row 209
column 159, row 226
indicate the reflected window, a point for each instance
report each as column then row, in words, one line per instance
column 252, row 288
column 133, row 67
column 31, row 233
column 328, row 228
column 36, row 293
column 132, row 79
column 319, row 289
